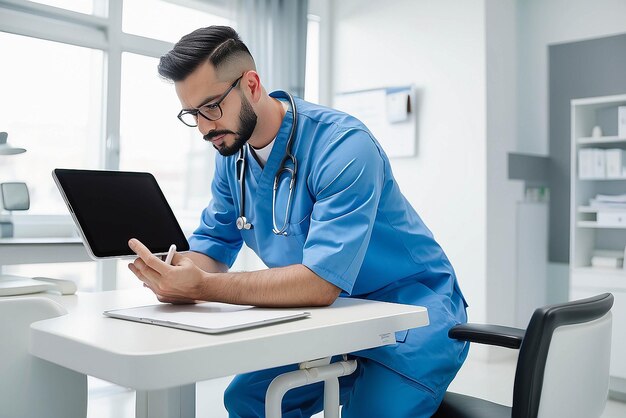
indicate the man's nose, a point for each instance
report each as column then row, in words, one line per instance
column 205, row 126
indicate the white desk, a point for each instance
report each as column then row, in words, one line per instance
column 163, row 364
column 55, row 250
column 41, row 250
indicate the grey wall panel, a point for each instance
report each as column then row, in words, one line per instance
column 589, row 68
column 529, row 168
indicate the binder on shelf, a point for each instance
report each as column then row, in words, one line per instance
column 614, row 159
column 599, row 164
column 591, row 163
column 585, row 163
column 621, row 124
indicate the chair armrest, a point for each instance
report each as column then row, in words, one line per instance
column 488, row 334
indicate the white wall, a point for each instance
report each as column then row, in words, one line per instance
column 541, row 23
column 500, row 111
column 440, row 47
column 502, row 194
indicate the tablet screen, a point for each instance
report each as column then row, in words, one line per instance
column 110, row 207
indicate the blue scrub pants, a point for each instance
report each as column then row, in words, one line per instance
column 372, row 391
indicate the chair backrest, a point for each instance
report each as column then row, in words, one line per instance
column 563, row 365
column 31, row 387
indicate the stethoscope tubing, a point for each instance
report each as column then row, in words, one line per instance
column 242, row 222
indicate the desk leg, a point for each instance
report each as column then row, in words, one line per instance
column 107, row 275
column 178, row 402
column 309, row 373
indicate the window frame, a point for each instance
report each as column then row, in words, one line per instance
column 26, row 18
column 101, row 31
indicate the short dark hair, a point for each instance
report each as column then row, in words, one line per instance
column 215, row 43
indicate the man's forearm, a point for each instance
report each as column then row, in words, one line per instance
column 195, row 276
column 206, row 263
column 291, row 286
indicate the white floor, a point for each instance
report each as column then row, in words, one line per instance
column 488, row 380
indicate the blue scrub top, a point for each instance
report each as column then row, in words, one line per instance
column 349, row 223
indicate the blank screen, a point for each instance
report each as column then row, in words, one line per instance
column 114, row 206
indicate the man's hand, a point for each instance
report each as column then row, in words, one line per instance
column 185, row 282
column 181, row 282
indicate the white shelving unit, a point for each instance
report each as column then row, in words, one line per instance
column 587, row 235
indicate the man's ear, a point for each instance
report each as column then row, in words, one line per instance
column 252, row 83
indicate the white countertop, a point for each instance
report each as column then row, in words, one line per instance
column 148, row 357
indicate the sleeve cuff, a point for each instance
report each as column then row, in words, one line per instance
column 216, row 252
column 331, row 277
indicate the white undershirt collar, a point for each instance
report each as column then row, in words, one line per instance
column 262, row 154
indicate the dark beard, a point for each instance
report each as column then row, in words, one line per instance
column 247, row 123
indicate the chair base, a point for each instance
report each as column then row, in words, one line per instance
column 455, row 405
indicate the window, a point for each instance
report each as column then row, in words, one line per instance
column 65, row 66
column 55, row 96
column 81, row 6
column 153, row 139
column 51, row 105
column 159, row 19
column 312, row 69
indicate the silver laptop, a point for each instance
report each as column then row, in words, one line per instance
column 208, row 317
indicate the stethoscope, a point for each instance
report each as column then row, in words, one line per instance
column 242, row 223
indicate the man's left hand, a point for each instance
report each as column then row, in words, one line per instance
column 181, row 282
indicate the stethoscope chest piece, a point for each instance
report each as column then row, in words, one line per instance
column 242, row 223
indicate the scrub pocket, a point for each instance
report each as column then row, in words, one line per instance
column 300, row 230
column 249, row 237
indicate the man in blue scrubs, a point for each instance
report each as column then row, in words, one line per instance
column 346, row 231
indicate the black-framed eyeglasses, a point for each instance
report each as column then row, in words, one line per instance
column 209, row 111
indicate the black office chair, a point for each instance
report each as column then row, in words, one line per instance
column 563, row 364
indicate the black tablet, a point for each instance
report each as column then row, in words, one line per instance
column 110, row 207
